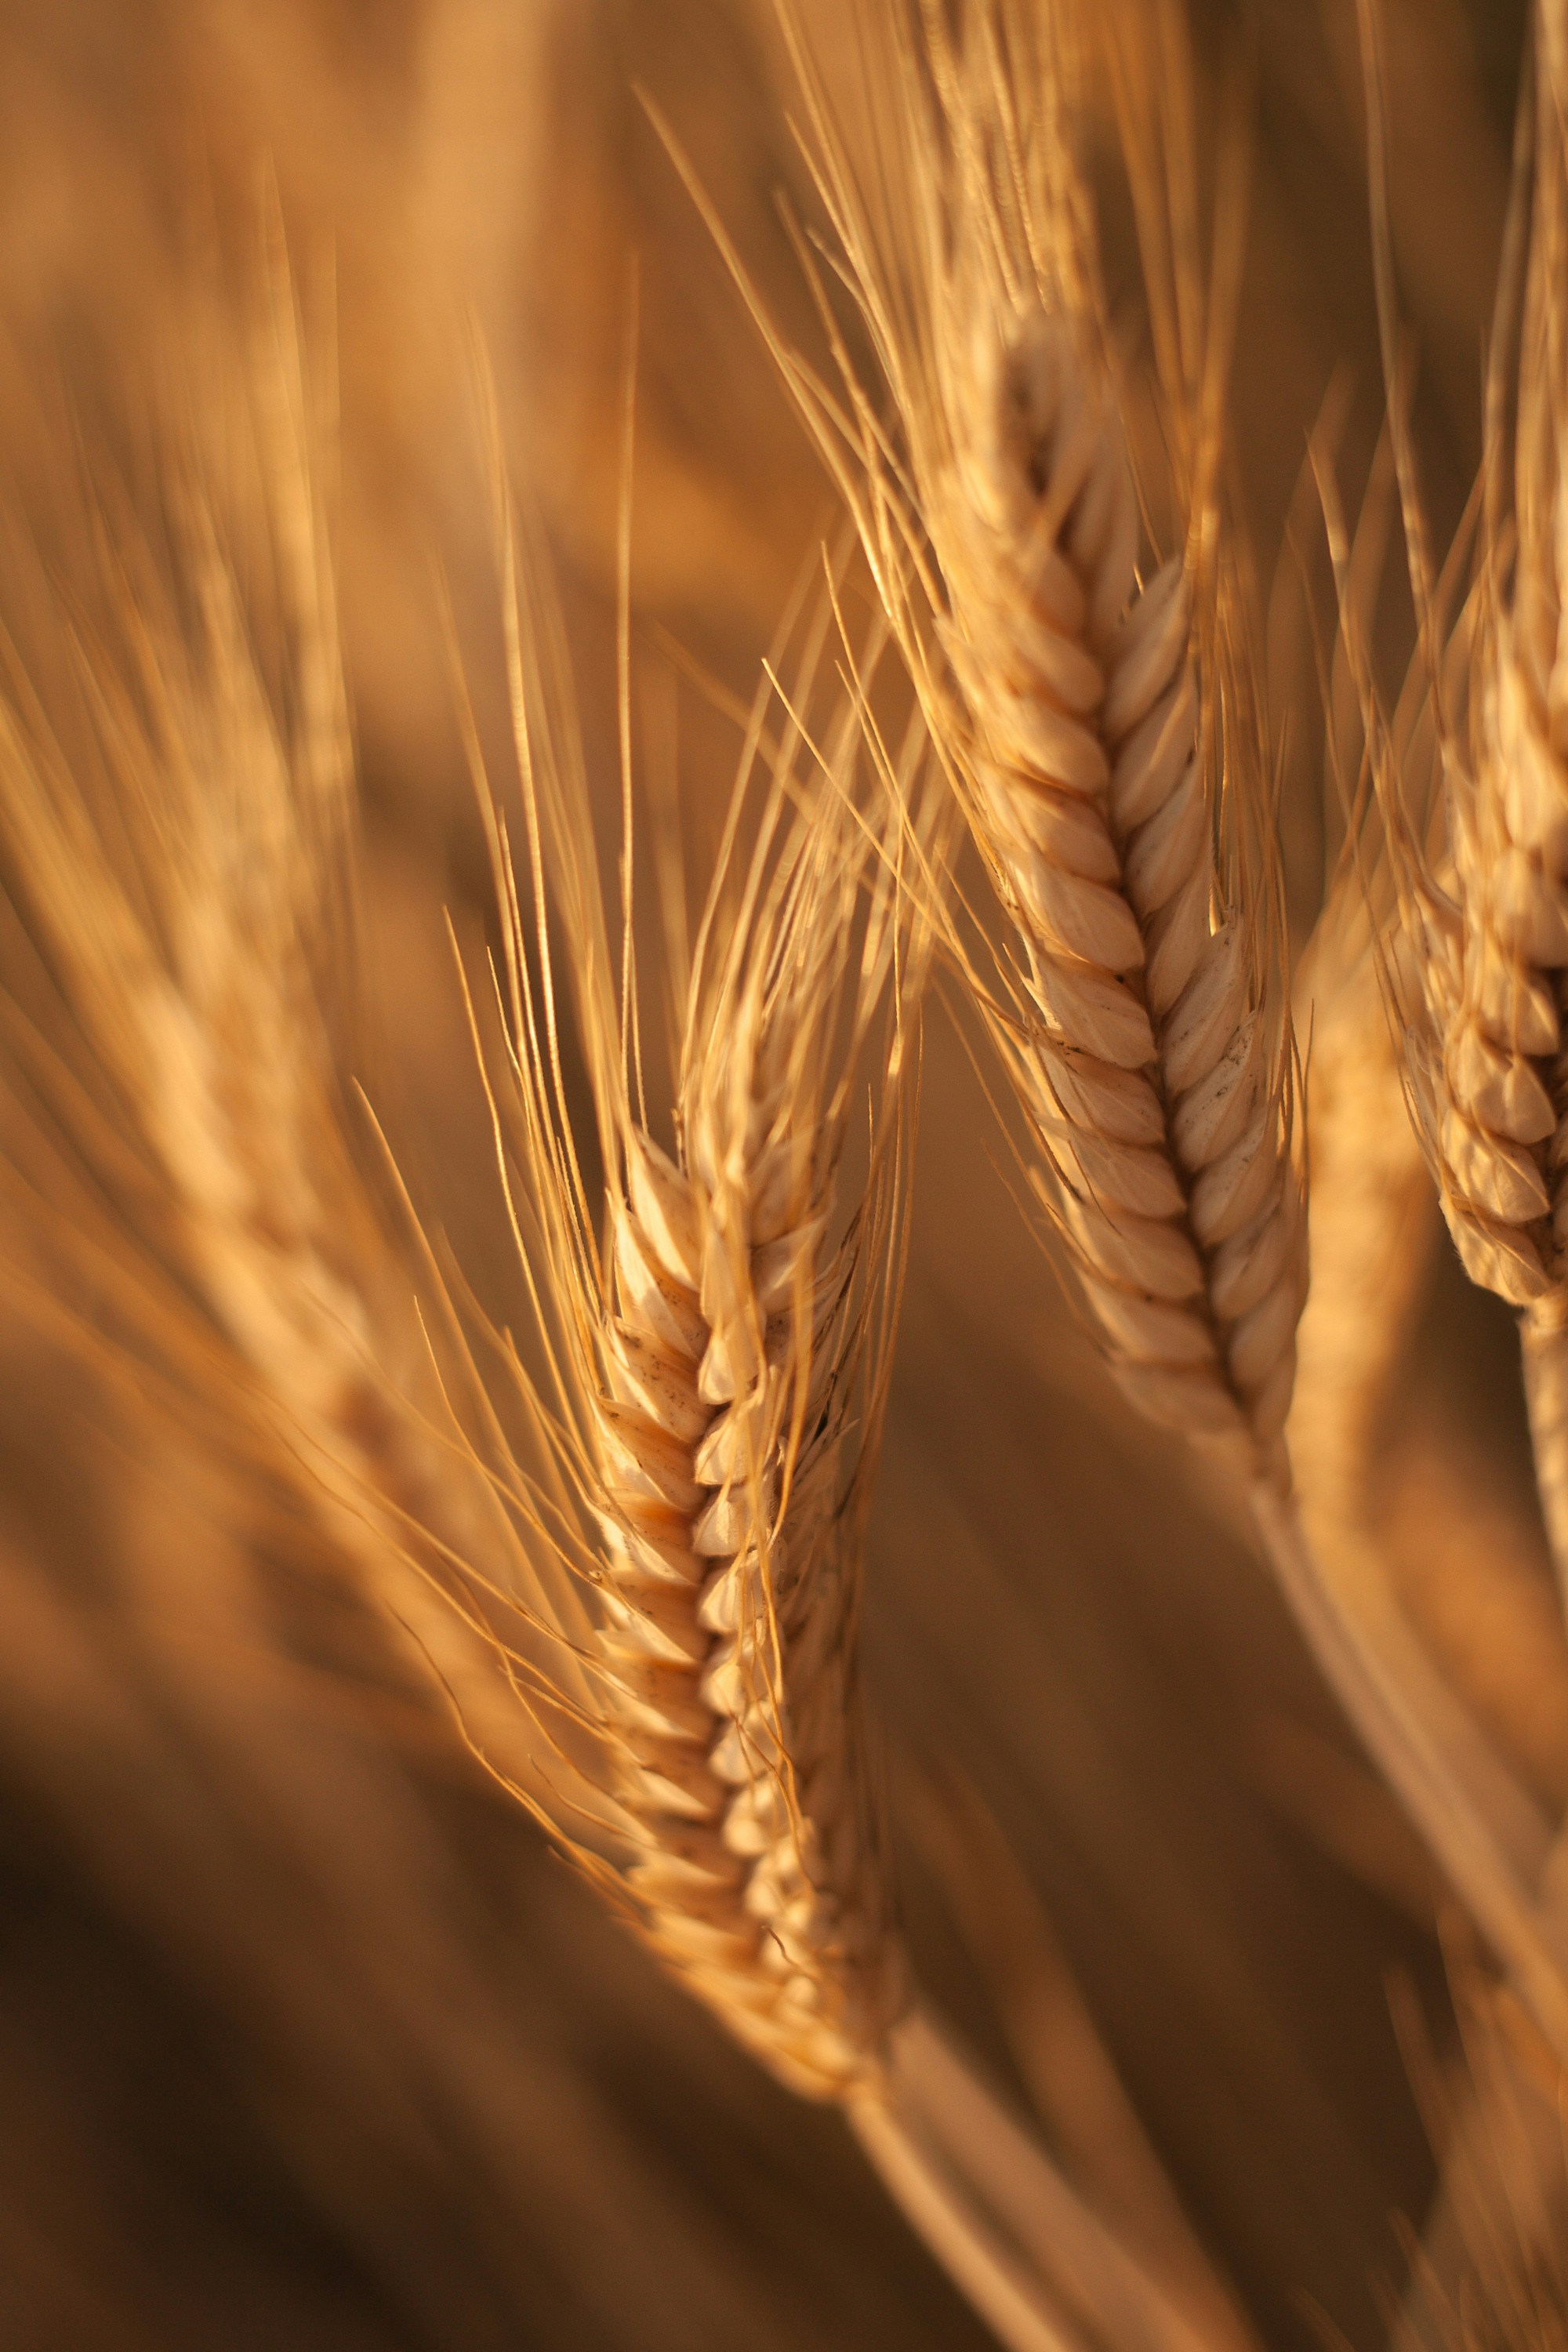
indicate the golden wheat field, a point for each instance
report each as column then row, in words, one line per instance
column 784, row 1175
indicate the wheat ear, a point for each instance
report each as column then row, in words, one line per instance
column 1078, row 714
column 723, row 1361
column 718, row 1347
column 1487, row 913
column 185, row 864
column 983, row 320
column 1484, row 1827
column 1153, row 1075
column 1369, row 1190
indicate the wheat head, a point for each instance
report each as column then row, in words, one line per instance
column 724, row 1330
column 1492, row 926
column 732, row 1565
column 1484, row 858
column 181, row 814
column 1078, row 710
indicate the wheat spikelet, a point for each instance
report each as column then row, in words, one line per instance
column 1079, row 716
column 1369, row 1167
column 1487, row 913
column 1154, row 1072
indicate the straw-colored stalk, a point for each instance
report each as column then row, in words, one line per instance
column 1491, row 2267
column 1369, row 1190
column 1372, row 1217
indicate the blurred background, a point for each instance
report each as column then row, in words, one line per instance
column 305, row 2038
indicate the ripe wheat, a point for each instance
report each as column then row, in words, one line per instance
column 1488, row 913
column 1084, row 715
column 720, row 1368
column 632, row 1542
column 729, row 1365
column 182, row 826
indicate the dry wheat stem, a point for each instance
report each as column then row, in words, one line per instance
column 1494, row 2241
column 992, row 2277
column 1470, row 1812
column 1070, row 2075
column 1371, row 1216
column 1483, row 1826
column 1099, row 2284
